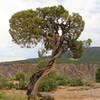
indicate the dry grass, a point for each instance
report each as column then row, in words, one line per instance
column 13, row 95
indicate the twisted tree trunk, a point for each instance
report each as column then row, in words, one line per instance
column 32, row 87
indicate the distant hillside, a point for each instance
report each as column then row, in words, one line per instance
column 90, row 55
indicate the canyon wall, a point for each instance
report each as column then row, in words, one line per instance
column 81, row 70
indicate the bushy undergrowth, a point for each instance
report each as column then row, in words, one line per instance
column 98, row 75
column 5, row 84
column 78, row 81
column 22, row 79
column 21, row 85
column 20, row 76
column 58, row 79
column 52, row 81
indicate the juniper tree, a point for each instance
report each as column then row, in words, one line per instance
column 55, row 28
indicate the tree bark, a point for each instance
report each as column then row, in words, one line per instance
column 32, row 87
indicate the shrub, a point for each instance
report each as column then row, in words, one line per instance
column 20, row 76
column 21, row 85
column 98, row 75
column 4, row 83
column 52, row 81
column 87, row 82
column 74, row 81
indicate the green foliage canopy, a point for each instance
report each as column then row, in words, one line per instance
column 48, row 25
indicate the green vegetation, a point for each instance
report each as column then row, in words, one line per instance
column 52, row 81
column 5, row 84
column 98, row 75
column 18, row 82
column 56, row 79
column 21, row 85
column 20, row 76
column 22, row 79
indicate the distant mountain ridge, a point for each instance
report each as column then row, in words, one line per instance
column 90, row 55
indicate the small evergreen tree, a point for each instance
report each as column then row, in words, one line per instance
column 55, row 28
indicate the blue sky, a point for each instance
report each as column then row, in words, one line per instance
column 89, row 9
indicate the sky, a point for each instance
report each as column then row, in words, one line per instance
column 88, row 9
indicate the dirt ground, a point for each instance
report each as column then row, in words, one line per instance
column 68, row 93
column 77, row 93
